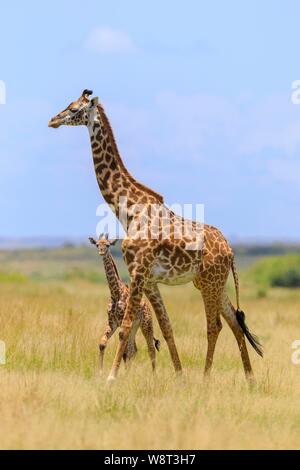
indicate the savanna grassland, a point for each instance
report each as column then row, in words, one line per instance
column 52, row 310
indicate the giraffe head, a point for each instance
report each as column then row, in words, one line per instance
column 103, row 244
column 78, row 113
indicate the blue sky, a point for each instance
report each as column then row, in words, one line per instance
column 199, row 96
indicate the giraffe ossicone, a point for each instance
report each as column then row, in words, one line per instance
column 160, row 260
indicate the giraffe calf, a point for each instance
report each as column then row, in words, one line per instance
column 119, row 293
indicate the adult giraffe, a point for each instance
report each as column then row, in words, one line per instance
column 169, row 256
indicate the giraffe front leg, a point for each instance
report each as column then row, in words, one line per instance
column 131, row 348
column 133, row 304
column 108, row 332
column 153, row 294
column 130, row 352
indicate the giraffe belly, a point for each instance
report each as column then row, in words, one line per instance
column 170, row 276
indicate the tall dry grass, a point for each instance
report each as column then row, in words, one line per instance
column 51, row 396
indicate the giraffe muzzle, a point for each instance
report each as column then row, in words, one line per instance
column 54, row 123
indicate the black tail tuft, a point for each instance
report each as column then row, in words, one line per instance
column 157, row 344
column 253, row 340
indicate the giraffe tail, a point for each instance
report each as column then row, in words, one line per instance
column 253, row 339
column 240, row 316
column 156, row 344
column 236, row 283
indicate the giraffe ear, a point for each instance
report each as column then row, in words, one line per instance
column 113, row 242
column 95, row 101
column 92, row 241
column 87, row 93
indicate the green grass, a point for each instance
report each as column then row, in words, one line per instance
column 59, row 264
column 7, row 276
column 52, row 397
column 50, row 380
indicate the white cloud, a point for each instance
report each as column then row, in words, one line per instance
column 110, row 41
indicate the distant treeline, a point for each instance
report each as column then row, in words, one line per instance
column 41, row 244
column 266, row 250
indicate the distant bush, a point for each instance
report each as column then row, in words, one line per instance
column 261, row 293
column 290, row 278
column 12, row 277
column 36, row 276
column 276, row 271
column 267, row 250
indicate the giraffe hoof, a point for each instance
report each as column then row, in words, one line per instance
column 179, row 377
column 110, row 379
column 206, row 379
column 252, row 384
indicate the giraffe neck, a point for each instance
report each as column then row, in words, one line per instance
column 114, row 180
column 113, row 279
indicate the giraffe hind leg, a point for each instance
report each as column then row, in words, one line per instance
column 229, row 313
column 212, row 304
column 217, row 303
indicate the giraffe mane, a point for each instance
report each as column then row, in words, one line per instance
column 139, row 185
column 115, row 267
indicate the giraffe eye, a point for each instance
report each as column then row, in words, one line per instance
column 73, row 110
